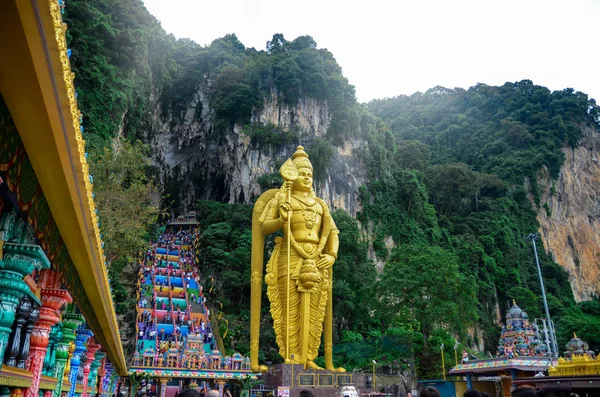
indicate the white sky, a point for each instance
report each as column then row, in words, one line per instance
column 393, row 47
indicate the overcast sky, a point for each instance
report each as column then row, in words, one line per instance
column 393, row 47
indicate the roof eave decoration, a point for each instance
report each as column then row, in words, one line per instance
column 36, row 67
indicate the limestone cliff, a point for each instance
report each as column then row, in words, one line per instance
column 570, row 225
column 194, row 162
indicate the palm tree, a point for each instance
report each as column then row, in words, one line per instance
column 248, row 384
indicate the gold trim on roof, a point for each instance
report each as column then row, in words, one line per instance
column 68, row 77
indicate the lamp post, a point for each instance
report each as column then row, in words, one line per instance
column 554, row 348
column 455, row 354
column 374, row 380
column 443, row 364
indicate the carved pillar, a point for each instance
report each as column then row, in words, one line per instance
column 112, row 383
column 23, row 312
column 101, row 373
column 83, row 334
column 163, row 386
column 18, row 258
column 221, row 384
column 70, row 323
column 50, row 358
column 107, row 380
column 90, row 354
column 24, row 348
column 52, row 301
column 68, row 366
column 94, row 371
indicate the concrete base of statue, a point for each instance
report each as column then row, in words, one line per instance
column 321, row 383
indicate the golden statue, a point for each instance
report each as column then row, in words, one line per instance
column 299, row 280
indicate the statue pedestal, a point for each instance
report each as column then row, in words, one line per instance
column 321, row 383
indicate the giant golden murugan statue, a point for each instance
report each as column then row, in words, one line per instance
column 299, row 272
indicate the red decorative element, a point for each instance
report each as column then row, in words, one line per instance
column 101, row 375
column 49, row 279
column 47, row 393
column 92, row 348
column 52, row 300
column 30, row 283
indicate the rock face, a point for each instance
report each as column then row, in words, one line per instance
column 571, row 227
column 196, row 162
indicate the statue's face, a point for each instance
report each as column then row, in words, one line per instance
column 304, row 181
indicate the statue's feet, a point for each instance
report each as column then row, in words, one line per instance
column 331, row 368
column 260, row 368
column 311, row 365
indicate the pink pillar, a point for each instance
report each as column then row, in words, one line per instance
column 163, row 387
column 52, row 301
column 90, row 353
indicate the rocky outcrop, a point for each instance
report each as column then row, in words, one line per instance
column 570, row 215
column 195, row 162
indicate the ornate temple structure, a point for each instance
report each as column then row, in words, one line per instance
column 58, row 330
column 578, row 371
column 520, row 353
column 519, row 337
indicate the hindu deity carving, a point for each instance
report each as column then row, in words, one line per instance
column 299, row 272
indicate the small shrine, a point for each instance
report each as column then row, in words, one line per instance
column 518, row 337
column 578, row 360
column 578, row 371
column 520, row 353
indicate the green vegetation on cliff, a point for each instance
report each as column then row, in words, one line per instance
column 450, row 173
column 451, row 191
column 125, row 62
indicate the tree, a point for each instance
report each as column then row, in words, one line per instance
column 302, row 42
column 126, row 198
column 424, row 283
column 413, row 155
column 277, row 44
column 321, row 152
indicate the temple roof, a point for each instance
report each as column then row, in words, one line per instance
column 494, row 365
column 35, row 66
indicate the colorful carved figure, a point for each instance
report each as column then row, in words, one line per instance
column 518, row 336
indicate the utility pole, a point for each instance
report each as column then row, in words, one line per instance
column 554, row 348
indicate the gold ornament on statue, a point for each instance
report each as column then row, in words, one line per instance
column 299, row 272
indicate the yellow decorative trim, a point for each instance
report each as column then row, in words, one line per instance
column 68, row 77
column 15, row 377
column 14, row 382
column 576, row 366
column 47, row 383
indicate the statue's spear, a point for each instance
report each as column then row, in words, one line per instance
column 288, row 172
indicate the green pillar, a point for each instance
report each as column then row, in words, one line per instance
column 50, row 358
column 99, row 356
column 70, row 323
column 18, row 258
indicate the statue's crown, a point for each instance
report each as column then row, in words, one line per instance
column 300, row 158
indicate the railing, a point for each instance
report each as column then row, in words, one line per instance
column 193, row 362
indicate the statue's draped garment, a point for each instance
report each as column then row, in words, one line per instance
column 303, row 256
